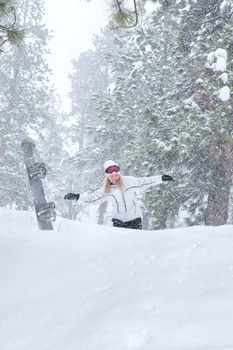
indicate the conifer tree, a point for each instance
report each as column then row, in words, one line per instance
column 25, row 98
column 164, row 114
column 9, row 32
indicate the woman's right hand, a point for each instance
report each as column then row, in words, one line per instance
column 72, row 196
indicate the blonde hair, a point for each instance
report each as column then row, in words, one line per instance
column 107, row 184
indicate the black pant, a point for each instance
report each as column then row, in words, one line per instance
column 135, row 224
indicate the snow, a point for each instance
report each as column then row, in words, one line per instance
column 88, row 287
column 199, row 81
column 220, row 55
column 211, row 57
column 151, row 7
column 224, row 93
column 223, row 4
column 148, row 48
column 111, row 87
column 220, row 65
column 138, row 65
column 189, row 103
column 224, row 77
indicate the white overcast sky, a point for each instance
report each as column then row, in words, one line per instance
column 73, row 23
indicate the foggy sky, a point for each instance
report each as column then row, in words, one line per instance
column 73, row 23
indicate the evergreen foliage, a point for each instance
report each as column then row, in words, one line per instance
column 8, row 27
column 163, row 113
column 25, row 100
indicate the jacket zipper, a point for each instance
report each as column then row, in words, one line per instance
column 116, row 202
column 134, row 206
column 124, row 201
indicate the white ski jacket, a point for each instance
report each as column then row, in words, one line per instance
column 124, row 201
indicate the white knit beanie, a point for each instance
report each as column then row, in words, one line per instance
column 109, row 163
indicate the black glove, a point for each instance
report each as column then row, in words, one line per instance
column 72, row 196
column 167, row 178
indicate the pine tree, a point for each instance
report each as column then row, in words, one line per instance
column 25, row 99
column 89, row 80
column 163, row 111
column 9, row 32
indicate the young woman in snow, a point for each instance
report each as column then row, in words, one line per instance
column 121, row 192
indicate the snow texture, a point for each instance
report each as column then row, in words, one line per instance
column 138, row 65
column 220, row 65
column 211, row 57
column 199, row 81
column 148, row 48
column 224, row 93
column 151, row 7
column 224, row 77
column 221, row 53
column 89, row 287
column 217, row 60
column 111, row 87
column 189, row 103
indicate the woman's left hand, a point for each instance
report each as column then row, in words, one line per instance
column 167, row 178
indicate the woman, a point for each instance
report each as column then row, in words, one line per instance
column 121, row 192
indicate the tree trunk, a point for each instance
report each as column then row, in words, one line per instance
column 219, row 193
column 217, row 208
column 145, row 222
column 102, row 210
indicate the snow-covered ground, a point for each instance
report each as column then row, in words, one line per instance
column 88, row 287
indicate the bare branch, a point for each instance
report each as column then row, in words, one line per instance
column 14, row 15
column 10, row 33
column 223, row 18
column 2, row 43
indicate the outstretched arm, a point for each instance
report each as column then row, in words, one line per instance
column 88, row 198
column 146, row 182
column 97, row 197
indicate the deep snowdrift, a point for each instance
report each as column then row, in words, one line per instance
column 89, row 287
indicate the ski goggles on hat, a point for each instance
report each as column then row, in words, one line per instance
column 112, row 169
